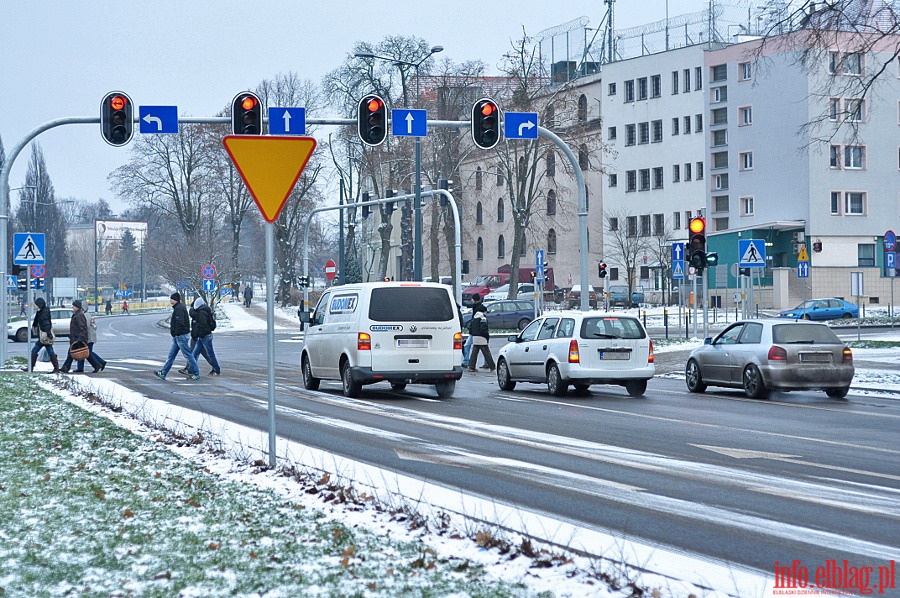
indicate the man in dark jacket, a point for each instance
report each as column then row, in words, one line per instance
column 43, row 322
column 78, row 333
column 202, row 325
column 180, row 329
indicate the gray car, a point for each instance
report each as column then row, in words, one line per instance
column 765, row 355
column 17, row 327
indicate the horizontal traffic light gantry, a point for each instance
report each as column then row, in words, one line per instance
column 371, row 117
column 116, row 118
column 246, row 114
column 485, row 123
column 697, row 244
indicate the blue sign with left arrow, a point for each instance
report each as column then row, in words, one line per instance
column 409, row 123
column 520, row 125
column 158, row 119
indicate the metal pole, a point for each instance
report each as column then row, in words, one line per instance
column 29, row 319
column 705, row 305
column 270, row 333
column 340, row 264
column 96, row 270
column 417, row 239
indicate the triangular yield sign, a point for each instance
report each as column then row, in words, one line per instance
column 270, row 166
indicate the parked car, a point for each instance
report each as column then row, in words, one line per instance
column 822, row 309
column 17, row 327
column 509, row 315
column 579, row 348
column 525, row 291
column 573, row 297
column 619, row 295
column 771, row 354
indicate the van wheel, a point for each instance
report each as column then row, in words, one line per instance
column 398, row 386
column 636, row 388
column 503, row 379
column 310, row 382
column 754, row 387
column 351, row 388
column 445, row 389
column 555, row 384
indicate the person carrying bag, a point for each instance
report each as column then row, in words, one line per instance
column 78, row 338
column 42, row 328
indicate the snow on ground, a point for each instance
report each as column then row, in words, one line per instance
column 240, row 318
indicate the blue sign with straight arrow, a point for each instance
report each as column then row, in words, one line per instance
column 409, row 123
column 287, row 121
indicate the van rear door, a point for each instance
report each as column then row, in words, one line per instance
column 412, row 328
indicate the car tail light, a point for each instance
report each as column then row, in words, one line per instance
column 650, row 358
column 777, row 353
column 574, row 357
column 363, row 341
column 457, row 341
column 847, row 355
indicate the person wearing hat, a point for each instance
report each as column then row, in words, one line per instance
column 95, row 360
column 78, row 333
column 43, row 326
column 180, row 329
column 477, row 306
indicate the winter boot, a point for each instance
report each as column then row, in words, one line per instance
column 55, row 361
column 33, row 362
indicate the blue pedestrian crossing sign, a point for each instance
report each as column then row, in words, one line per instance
column 158, row 119
column 12, row 282
column 209, row 284
column 287, row 121
column 409, row 123
column 28, row 249
column 678, row 268
column 520, row 125
column 802, row 269
column 752, row 253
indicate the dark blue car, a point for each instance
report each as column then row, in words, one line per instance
column 506, row 315
column 822, row 309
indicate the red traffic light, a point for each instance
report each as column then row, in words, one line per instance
column 371, row 120
column 246, row 114
column 118, row 102
column 249, row 103
column 485, row 123
column 116, row 118
column 488, row 108
column 374, row 105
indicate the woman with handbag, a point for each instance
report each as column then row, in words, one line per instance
column 92, row 338
column 42, row 327
column 78, row 339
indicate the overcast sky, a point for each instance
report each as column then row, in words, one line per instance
column 59, row 58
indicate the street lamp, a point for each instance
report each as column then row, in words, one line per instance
column 417, row 229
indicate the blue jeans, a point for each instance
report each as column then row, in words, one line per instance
column 38, row 346
column 180, row 343
column 204, row 343
column 467, row 350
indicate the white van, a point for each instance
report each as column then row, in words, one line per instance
column 396, row 332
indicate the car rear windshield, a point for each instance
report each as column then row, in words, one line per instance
column 611, row 327
column 804, row 334
column 411, row 304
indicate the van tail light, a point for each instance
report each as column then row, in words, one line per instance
column 777, row 353
column 363, row 341
column 457, row 341
column 847, row 355
column 650, row 357
column 574, row 357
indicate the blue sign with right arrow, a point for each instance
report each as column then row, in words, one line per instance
column 520, row 125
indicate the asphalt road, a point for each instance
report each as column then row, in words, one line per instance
column 798, row 477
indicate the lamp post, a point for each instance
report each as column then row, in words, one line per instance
column 417, row 208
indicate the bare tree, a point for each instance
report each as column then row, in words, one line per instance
column 624, row 245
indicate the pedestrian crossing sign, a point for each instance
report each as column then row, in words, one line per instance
column 752, row 253
column 28, row 249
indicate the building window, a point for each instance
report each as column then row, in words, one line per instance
column 687, row 171
column 687, row 125
column 658, row 177
column 834, row 153
column 719, row 94
column 551, row 241
column 582, row 109
column 720, row 224
column 747, row 206
column 854, row 203
column 659, row 225
column 645, row 225
column 865, row 254
column 643, row 133
column 852, row 64
column 501, row 210
column 674, row 82
column 630, row 134
column 835, row 203
column 613, row 180
column 500, row 175
column 698, row 123
column 501, row 247
column 745, row 71
column 611, row 134
column 854, row 110
column 834, row 62
column 834, row 109
column 613, row 274
column 479, row 177
column 611, row 89
column 642, row 88
column 613, row 224
column 631, row 180
column 479, row 214
column 551, row 202
column 745, row 116
column 854, row 156
column 720, row 203
column 655, row 86
column 583, row 160
column 720, row 182
column 676, row 220
column 719, row 137
column 629, row 91
column 479, row 249
column 551, row 163
column 676, row 125
column 718, row 73
column 746, row 160
column 676, row 173
column 631, row 222
column 698, row 78
column 645, row 272
column 686, row 80
column 657, row 131
column 720, row 116
column 699, row 170
column 687, row 217
column 644, row 174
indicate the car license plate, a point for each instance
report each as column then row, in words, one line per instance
column 412, row 343
column 621, row 355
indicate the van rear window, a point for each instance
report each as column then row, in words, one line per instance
column 411, row 304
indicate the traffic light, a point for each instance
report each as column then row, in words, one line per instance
column 532, row 276
column 303, row 281
column 246, row 114
column 486, row 123
column 697, row 244
column 601, row 270
column 389, row 207
column 712, row 259
column 16, row 269
column 444, row 184
column 116, row 118
column 22, row 284
column 817, row 246
column 365, row 209
column 371, row 120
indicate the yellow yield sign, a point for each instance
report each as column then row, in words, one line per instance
column 270, row 166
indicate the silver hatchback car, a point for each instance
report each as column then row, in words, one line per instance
column 765, row 355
